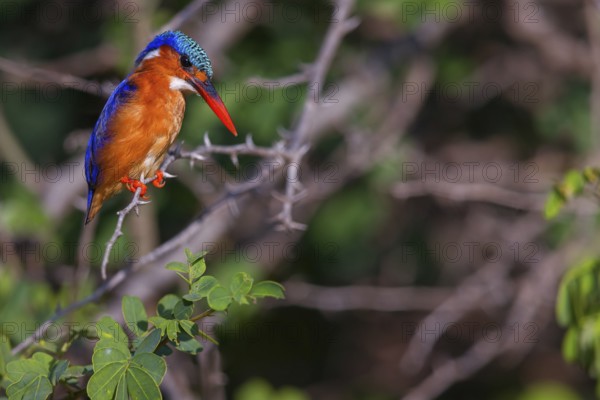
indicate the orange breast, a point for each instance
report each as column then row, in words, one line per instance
column 143, row 130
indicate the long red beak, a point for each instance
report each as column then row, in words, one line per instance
column 212, row 98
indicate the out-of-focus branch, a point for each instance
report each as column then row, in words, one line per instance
column 537, row 292
column 481, row 192
column 371, row 298
column 12, row 152
column 294, row 191
column 35, row 74
column 183, row 16
column 488, row 285
column 318, row 70
column 560, row 50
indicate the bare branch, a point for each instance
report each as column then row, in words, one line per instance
column 118, row 232
column 488, row 285
column 65, row 80
column 537, row 292
column 318, row 70
column 483, row 192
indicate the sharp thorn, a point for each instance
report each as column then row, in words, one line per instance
column 249, row 141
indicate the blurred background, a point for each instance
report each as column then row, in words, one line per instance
column 426, row 268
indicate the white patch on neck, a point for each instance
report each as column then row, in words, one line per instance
column 152, row 54
column 180, row 84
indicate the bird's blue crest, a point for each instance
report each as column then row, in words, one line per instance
column 183, row 44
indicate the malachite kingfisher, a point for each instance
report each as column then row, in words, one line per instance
column 143, row 116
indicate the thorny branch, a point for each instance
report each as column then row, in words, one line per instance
column 315, row 75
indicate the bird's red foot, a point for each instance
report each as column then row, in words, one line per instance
column 133, row 184
column 160, row 179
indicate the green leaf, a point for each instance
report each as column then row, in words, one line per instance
column 255, row 389
column 193, row 258
column 188, row 344
column 108, row 352
column 45, row 361
column 158, row 322
column 200, row 288
column 121, row 389
column 150, row 342
column 135, row 315
column 183, row 309
column 548, row 391
column 166, row 305
column 31, row 386
column 103, row 383
column 268, row 289
column 141, row 385
column 564, row 313
column 153, row 364
column 39, row 363
column 108, row 328
column 570, row 345
column 57, row 371
column 5, row 354
column 164, row 350
column 177, row 267
column 189, row 326
column 240, row 286
column 197, row 269
column 29, row 378
column 554, row 203
column 172, row 329
column 219, row 298
column 74, row 372
column 591, row 175
column 135, row 378
column 168, row 327
column 573, row 184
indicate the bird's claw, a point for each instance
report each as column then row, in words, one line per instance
column 133, row 184
column 159, row 181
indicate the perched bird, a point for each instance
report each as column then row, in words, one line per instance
column 143, row 116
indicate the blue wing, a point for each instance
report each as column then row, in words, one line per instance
column 102, row 133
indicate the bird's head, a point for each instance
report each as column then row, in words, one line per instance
column 188, row 67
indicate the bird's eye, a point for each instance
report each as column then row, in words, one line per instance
column 185, row 61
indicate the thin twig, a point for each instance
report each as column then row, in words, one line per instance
column 118, row 232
